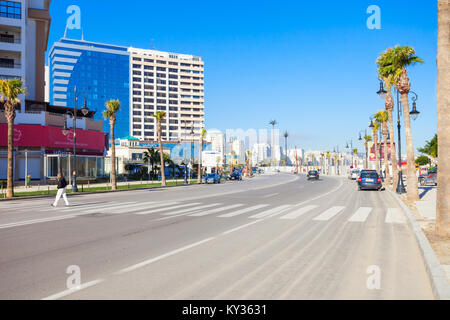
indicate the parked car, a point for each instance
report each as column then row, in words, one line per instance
column 313, row 175
column 235, row 175
column 429, row 178
column 369, row 180
column 211, row 178
column 354, row 174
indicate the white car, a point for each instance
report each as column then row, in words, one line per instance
column 354, row 174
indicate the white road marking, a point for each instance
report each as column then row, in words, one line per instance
column 361, row 214
column 322, row 195
column 395, row 215
column 204, row 213
column 192, row 209
column 96, row 207
column 328, row 214
column 27, row 222
column 165, row 208
column 270, row 195
column 241, row 227
column 73, row 290
column 299, row 212
column 138, row 206
column 242, row 211
column 270, row 212
column 168, row 254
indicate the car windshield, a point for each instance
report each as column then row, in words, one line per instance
column 369, row 175
column 313, row 172
column 210, row 175
column 355, row 171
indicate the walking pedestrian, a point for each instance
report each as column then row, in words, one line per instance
column 62, row 184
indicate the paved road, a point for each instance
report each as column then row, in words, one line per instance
column 271, row 237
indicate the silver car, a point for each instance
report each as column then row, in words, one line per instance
column 354, row 174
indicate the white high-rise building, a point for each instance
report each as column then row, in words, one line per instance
column 239, row 149
column 169, row 82
column 217, row 140
column 24, row 27
column 260, row 153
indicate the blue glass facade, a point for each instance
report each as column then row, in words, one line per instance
column 100, row 72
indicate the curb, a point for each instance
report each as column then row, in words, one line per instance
column 439, row 282
column 91, row 192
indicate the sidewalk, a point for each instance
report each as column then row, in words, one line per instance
column 426, row 217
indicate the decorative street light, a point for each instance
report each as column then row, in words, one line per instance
column 414, row 113
column 366, row 146
column 381, row 93
column 84, row 110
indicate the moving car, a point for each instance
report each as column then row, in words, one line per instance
column 369, row 180
column 235, row 175
column 354, row 174
column 429, row 178
column 211, row 178
column 313, row 175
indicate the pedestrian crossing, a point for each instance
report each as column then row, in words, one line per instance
column 286, row 212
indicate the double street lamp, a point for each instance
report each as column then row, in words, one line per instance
column 413, row 114
column 84, row 110
column 365, row 145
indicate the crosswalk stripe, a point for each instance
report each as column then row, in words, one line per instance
column 394, row 215
column 204, row 213
column 270, row 212
column 120, row 207
column 329, row 213
column 242, row 211
column 165, row 208
column 82, row 208
column 361, row 214
column 299, row 212
column 192, row 209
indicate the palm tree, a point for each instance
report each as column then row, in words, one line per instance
column 273, row 123
column 285, row 135
column 10, row 91
column 233, row 153
column 217, row 164
column 355, row 156
column 375, row 127
column 247, row 169
column 151, row 156
column 443, row 65
column 382, row 118
column 200, row 149
column 112, row 106
column 160, row 116
column 367, row 139
column 394, row 62
column 328, row 155
column 389, row 105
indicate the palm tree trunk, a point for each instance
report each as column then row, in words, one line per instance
column 113, row 157
column 443, row 124
column 412, row 191
column 385, row 153
column 161, row 155
column 377, row 152
column 394, row 161
column 10, row 115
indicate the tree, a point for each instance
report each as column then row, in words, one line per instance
column 430, row 148
column 367, row 139
column 443, row 122
column 382, row 118
column 151, row 156
column 375, row 127
column 355, row 154
column 160, row 116
column 10, row 91
column 285, row 135
column 273, row 123
column 233, row 153
column 200, row 149
column 112, row 107
column 393, row 62
column 389, row 105
column 422, row 160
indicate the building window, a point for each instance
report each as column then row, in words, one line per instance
column 11, row 9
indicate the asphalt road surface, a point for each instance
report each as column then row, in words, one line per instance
column 271, row 237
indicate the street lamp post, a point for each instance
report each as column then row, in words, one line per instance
column 365, row 145
column 65, row 131
column 192, row 150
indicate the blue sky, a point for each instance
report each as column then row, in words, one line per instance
column 308, row 64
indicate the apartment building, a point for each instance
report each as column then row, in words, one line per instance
column 169, row 82
column 24, row 28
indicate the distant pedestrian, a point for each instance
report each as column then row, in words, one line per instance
column 62, row 184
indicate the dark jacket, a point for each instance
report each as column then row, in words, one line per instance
column 62, row 183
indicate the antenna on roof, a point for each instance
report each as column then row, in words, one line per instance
column 152, row 45
column 65, row 32
column 82, row 34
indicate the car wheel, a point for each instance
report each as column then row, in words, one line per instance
column 423, row 182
